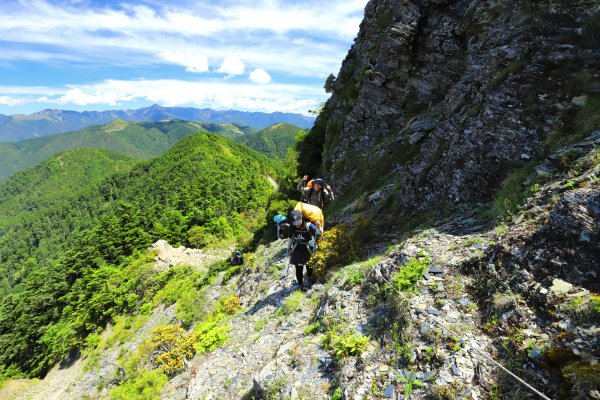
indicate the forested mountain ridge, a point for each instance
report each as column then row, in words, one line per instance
column 47, row 122
column 275, row 140
column 142, row 140
column 206, row 190
column 139, row 139
column 62, row 176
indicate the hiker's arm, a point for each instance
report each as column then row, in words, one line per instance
column 302, row 184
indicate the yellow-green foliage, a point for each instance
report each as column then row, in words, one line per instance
column 513, row 192
column 211, row 334
column 172, row 346
column 291, row 304
column 345, row 344
column 191, row 307
column 408, row 274
column 228, row 305
column 588, row 118
column 124, row 328
column 354, row 274
column 213, row 331
column 337, row 247
column 582, row 374
column 146, row 386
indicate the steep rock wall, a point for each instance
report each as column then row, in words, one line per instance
column 444, row 98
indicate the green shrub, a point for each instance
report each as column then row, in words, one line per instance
column 513, row 191
column 210, row 335
column 191, row 307
column 312, row 328
column 384, row 19
column 345, row 344
column 511, row 68
column 588, row 118
column 409, row 273
column 291, row 304
column 337, row 394
column 260, row 324
column 146, row 386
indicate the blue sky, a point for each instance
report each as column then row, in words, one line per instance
column 260, row 55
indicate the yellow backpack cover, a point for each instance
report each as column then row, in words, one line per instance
column 311, row 213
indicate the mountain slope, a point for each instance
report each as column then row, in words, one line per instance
column 47, row 122
column 205, row 190
column 63, row 176
column 273, row 141
column 140, row 139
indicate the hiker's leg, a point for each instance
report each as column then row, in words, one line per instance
column 300, row 274
column 309, row 274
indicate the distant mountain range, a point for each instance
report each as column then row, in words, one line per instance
column 142, row 140
column 48, row 122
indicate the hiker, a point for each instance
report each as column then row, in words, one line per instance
column 237, row 258
column 315, row 192
column 301, row 246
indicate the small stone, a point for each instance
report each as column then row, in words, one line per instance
column 416, row 137
column 435, row 270
column 433, row 311
column 384, row 368
column 424, row 376
column 584, row 292
column 455, row 369
column 452, row 316
column 535, row 352
column 560, row 287
column 579, row 100
column 389, row 391
column 464, row 302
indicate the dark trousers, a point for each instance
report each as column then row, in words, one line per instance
column 300, row 274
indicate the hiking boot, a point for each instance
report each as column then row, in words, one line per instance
column 303, row 288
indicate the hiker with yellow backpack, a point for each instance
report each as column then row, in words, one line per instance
column 304, row 227
column 307, row 224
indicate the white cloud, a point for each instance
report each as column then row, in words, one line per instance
column 11, row 101
column 97, row 95
column 232, row 66
column 192, row 62
column 262, row 33
column 172, row 92
column 259, row 75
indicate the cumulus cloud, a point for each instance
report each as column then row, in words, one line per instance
column 173, row 92
column 306, row 38
column 11, row 101
column 192, row 62
column 232, row 66
column 259, row 75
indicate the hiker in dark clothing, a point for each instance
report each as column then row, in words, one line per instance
column 301, row 246
column 315, row 192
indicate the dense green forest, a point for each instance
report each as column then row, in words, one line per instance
column 71, row 233
column 275, row 140
column 139, row 139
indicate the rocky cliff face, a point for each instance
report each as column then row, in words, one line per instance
column 444, row 98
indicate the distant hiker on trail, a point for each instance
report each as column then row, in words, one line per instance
column 237, row 258
column 301, row 246
column 315, row 192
